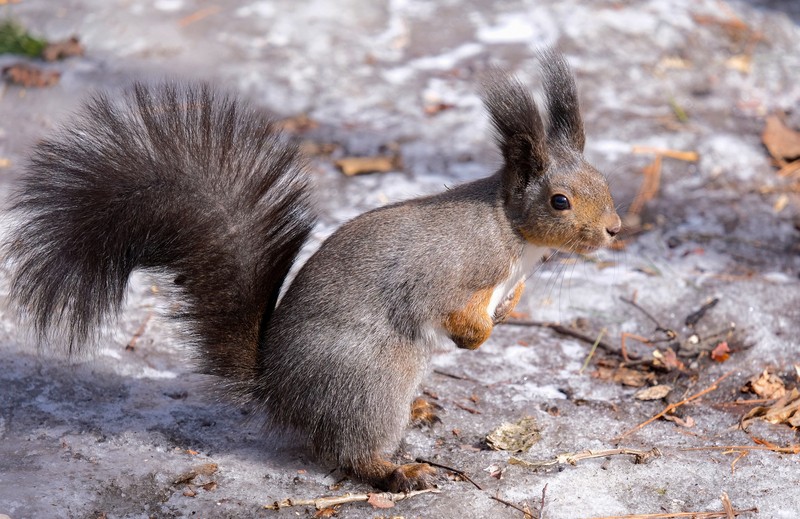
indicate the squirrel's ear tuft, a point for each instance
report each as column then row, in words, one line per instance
column 518, row 127
column 565, row 123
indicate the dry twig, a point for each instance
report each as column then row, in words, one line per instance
column 525, row 513
column 572, row 458
column 594, row 348
column 199, row 15
column 451, row 469
column 675, row 515
column 321, row 503
column 674, row 406
column 565, row 330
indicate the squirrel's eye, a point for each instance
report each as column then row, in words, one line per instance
column 560, row 202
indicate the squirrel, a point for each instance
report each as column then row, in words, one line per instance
column 182, row 179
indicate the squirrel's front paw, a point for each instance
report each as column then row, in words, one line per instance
column 505, row 308
column 424, row 412
column 412, row 476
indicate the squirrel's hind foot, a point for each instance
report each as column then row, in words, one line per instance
column 389, row 477
column 411, row 476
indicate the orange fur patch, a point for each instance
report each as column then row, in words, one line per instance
column 470, row 326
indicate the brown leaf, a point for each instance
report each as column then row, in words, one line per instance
column 721, row 353
column 622, row 375
column 782, row 142
column 495, row 471
column 631, row 377
column 765, row 385
column 653, row 393
column 668, row 360
column 326, row 512
column 62, row 49
column 435, row 108
column 785, row 410
column 683, row 422
column 298, row 124
column 205, row 469
column 380, row 501
column 30, row 76
column 212, row 485
column 360, row 165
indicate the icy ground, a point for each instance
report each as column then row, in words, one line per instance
column 109, row 436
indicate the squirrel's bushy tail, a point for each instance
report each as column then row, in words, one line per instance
column 174, row 178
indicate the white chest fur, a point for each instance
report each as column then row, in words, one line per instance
column 520, row 269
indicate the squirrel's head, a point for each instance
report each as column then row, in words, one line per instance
column 553, row 196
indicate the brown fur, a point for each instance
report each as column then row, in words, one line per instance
column 470, row 326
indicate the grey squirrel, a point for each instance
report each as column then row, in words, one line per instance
column 184, row 180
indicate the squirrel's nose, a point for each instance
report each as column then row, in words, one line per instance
column 614, row 229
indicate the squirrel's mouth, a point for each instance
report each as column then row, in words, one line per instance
column 591, row 246
column 586, row 248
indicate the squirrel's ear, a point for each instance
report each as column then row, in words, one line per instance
column 565, row 123
column 519, row 130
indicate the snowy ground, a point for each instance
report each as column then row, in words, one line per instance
column 109, row 436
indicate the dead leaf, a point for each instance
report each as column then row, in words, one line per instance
column 205, row 469
column 326, row 512
column 781, row 203
column 683, row 422
column 29, row 76
column 298, row 124
column 765, row 385
column 189, row 492
column 721, row 352
column 653, row 393
column 435, row 108
column 516, row 437
column 623, row 375
column 212, row 485
column 782, row 142
column 667, row 360
column 360, row 165
column 62, row 49
column 380, row 501
column 740, row 62
column 785, row 410
column 495, row 471
column 631, row 377
column 318, row 149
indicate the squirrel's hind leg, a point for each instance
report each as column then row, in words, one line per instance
column 387, row 476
